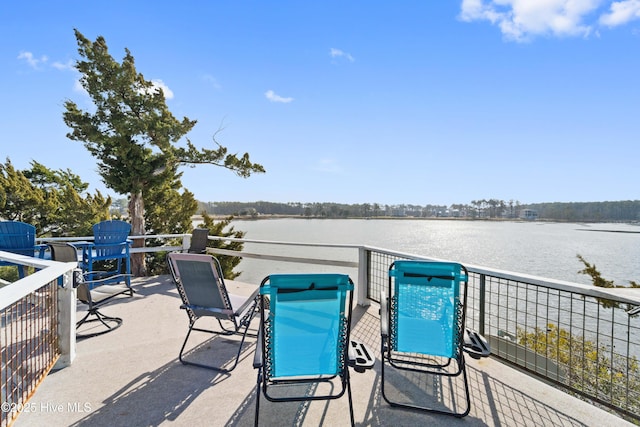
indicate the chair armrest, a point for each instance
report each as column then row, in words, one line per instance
column 360, row 356
column 251, row 299
column 41, row 250
column 257, row 356
column 384, row 314
column 475, row 345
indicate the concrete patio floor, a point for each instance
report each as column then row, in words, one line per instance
column 132, row 377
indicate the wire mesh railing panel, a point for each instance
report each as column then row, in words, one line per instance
column 29, row 346
column 589, row 345
column 378, row 273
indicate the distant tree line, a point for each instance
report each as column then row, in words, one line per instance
column 476, row 209
column 626, row 210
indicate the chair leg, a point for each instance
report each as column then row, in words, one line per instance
column 258, row 392
column 214, row 368
column 110, row 322
column 353, row 423
column 462, row 370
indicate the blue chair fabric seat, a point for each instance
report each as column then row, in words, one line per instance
column 423, row 313
column 304, row 337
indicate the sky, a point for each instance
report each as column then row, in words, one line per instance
column 416, row 102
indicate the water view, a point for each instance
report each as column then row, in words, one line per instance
column 537, row 248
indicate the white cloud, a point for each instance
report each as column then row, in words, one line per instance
column 31, row 60
column 63, row 66
column 273, row 97
column 521, row 20
column 621, row 12
column 158, row 84
column 337, row 53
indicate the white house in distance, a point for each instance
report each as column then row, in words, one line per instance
column 528, row 214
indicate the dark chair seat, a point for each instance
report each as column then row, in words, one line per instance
column 93, row 293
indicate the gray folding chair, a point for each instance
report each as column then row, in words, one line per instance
column 200, row 283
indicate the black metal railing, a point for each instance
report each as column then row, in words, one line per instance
column 582, row 338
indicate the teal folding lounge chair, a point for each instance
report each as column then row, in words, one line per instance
column 93, row 293
column 304, row 338
column 110, row 243
column 19, row 238
column 423, row 327
column 200, row 283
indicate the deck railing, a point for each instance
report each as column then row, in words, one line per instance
column 583, row 338
column 31, row 340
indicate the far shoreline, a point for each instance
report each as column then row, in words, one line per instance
column 199, row 218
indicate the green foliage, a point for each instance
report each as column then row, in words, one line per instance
column 228, row 263
column 586, row 366
column 167, row 212
column 133, row 135
column 54, row 201
column 595, row 368
column 599, row 281
column 20, row 200
column 10, row 274
column 132, row 132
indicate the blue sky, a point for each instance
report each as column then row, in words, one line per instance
column 420, row 102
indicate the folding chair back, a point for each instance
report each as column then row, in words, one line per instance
column 428, row 311
column 199, row 240
column 308, row 324
column 199, row 281
column 305, row 338
column 63, row 252
column 422, row 317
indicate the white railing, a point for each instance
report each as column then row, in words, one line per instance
column 37, row 329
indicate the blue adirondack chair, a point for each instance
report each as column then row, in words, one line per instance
column 110, row 243
column 19, row 238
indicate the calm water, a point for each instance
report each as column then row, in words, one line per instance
column 542, row 249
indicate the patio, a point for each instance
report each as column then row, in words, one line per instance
column 132, row 377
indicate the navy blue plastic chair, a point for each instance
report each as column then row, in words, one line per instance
column 304, row 338
column 19, row 238
column 110, row 243
column 422, row 318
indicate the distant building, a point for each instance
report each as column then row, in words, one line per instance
column 528, row 214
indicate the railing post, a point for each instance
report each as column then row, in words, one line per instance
column 186, row 242
column 363, row 277
column 66, row 321
column 481, row 303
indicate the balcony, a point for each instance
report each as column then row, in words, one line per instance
column 132, row 376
